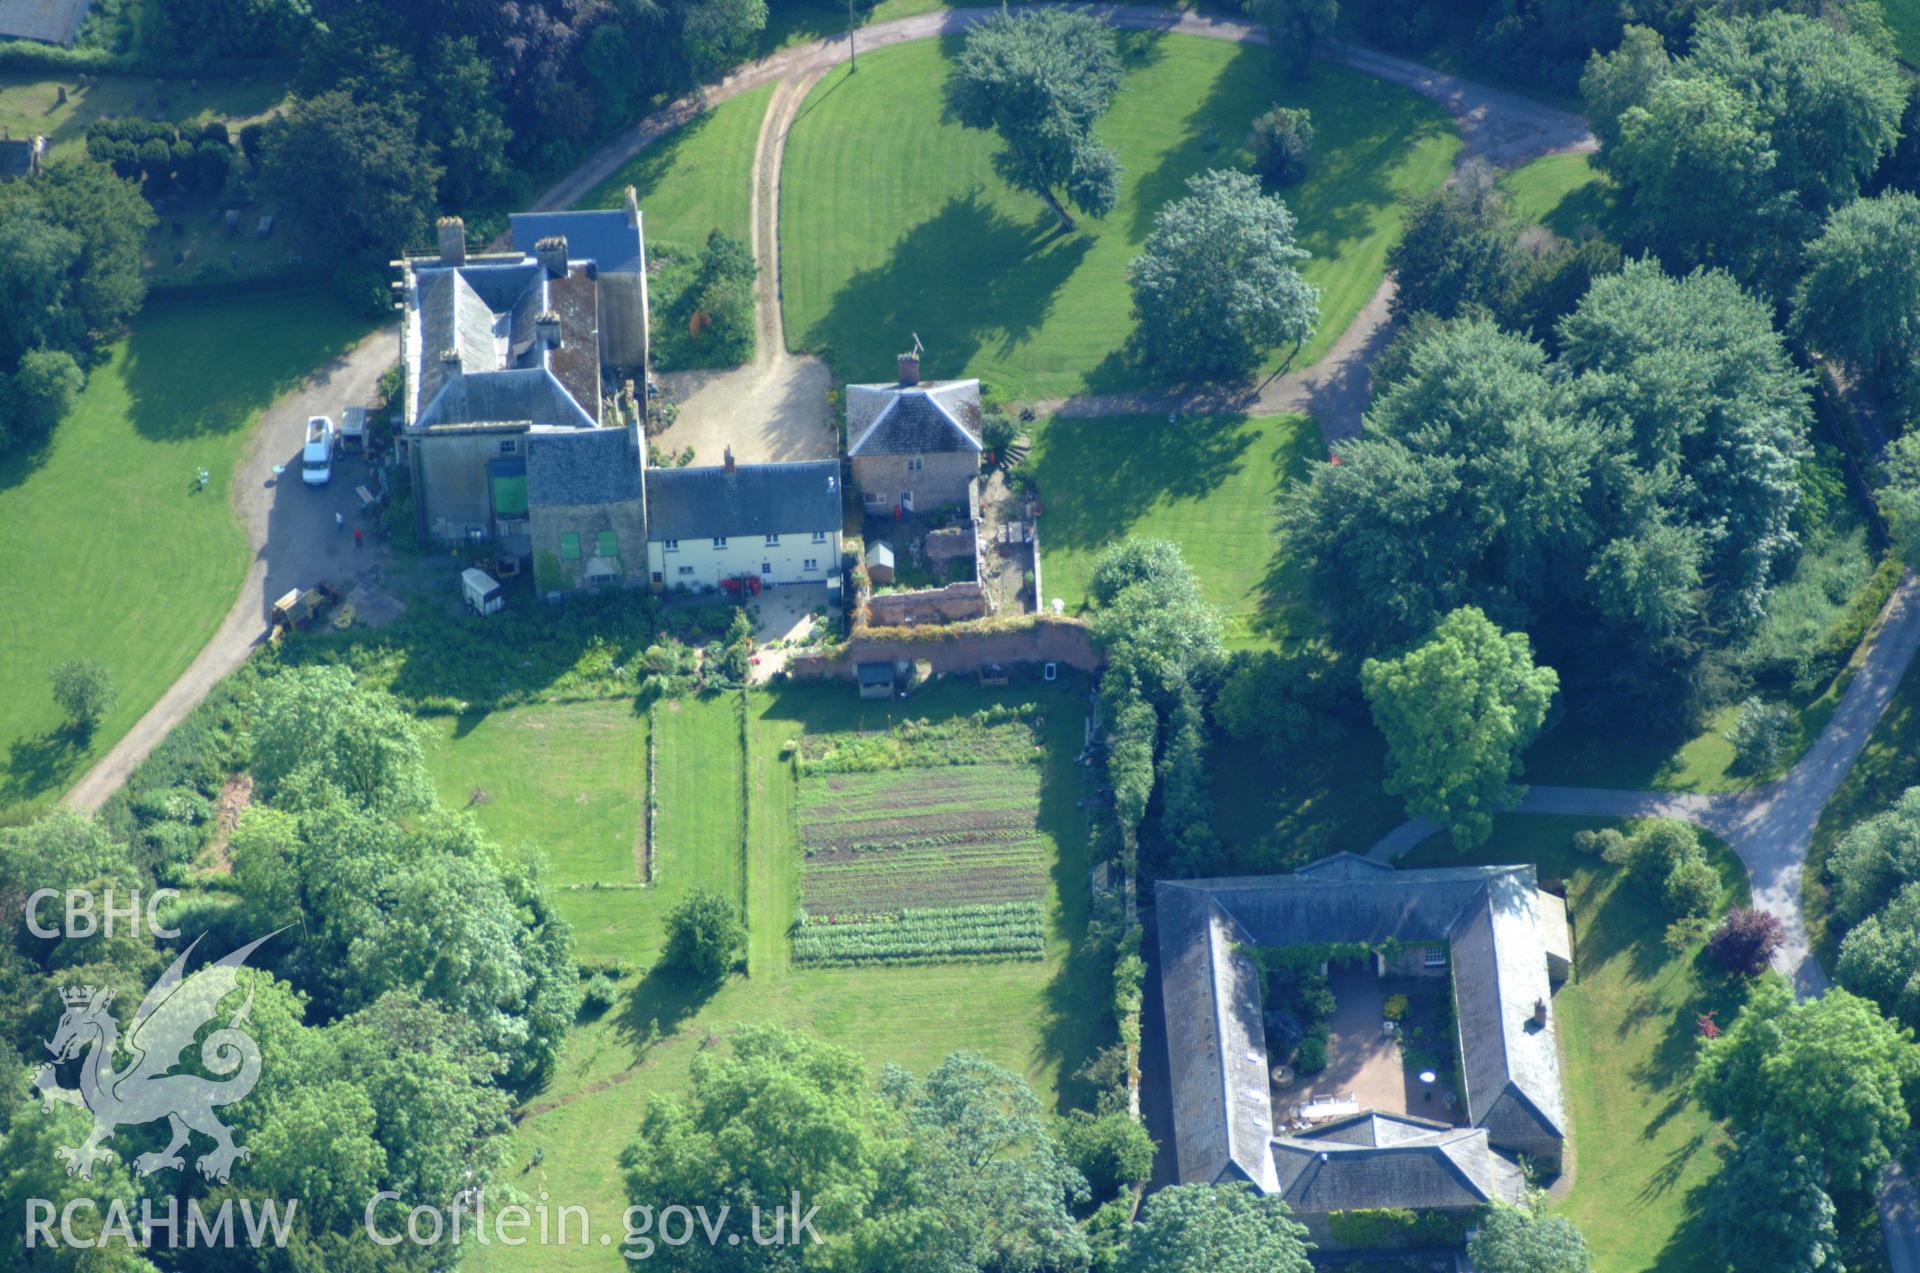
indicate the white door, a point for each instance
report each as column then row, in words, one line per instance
column 906, row 500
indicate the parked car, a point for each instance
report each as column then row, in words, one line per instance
column 316, row 459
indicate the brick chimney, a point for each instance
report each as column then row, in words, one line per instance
column 727, row 461
column 909, row 370
column 552, row 253
column 453, row 241
column 547, row 327
column 450, row 358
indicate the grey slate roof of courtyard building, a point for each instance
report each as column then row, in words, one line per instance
column 711, row 502
column 1500, row 930
column 599, row 466
column 1383, row 1160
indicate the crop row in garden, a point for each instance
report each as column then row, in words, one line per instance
column 1014, row 930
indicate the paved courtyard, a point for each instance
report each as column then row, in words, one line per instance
column 1363, row 1060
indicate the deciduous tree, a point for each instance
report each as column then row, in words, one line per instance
column 704, row 935
column 1215, row 1229
column 1457, row 711
column 1770, row 1210
column 1823, row 1077
column 1217, row 285
column 1040, row 78
column 1515, row 1241
column 1859, row 301
column 84, row 691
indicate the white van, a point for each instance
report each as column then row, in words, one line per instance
column 316, row 460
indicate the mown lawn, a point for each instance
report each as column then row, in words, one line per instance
column 1565, row 193
column 895, row 223
column 570, row 780
column 108, row 550
column 1208, row 483
column 1643, row 1152
column 30, row 102
column 1037, row 1018
column 697, row 178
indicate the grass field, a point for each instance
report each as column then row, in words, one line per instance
column 1643, row 1151
column 30, row 103
column 1566, row 194
column 1208, row 483
column 695, row 179
column 894, row 222
column 1036, row 1018
column 108, row 550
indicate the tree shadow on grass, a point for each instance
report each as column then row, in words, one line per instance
column 39, row 764
column 199, row 369
column 654, row 1010
column 967, row 277
column 1119, row 467
column 647, row 170
column 1211, row 138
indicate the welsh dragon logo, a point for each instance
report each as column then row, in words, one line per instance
column 146, row 1089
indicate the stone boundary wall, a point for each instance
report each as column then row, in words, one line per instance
column 952, row 604
column 957, row 649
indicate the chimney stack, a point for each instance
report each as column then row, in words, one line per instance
column 728, row 461
column 552, row 253
column 453, row 241
column 547, row 327
column 450, row 358
column 909, row 370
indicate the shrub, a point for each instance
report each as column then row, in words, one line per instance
column 1691, row 889
column 1760, row 735
column 1684, row 934
column 1395, row 1008
column 1282, row 144
column 1746, row 941
column 997, row 433
column 597, row 994
column 1113, row 1151
column 704, row 936
column 1313, row 997
column 1311, row 1057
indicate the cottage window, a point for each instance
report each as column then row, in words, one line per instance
column 819, row 536
column 686, row 570
column 570, row 546
column 914, row 466
column 1436, row 957
column 509, row 447
column 810, row 564
column 673, row 545
column 719, row 541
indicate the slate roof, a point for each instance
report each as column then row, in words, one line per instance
column 914, row 423
column 1492, row 919
column 487, row 314
column 708, row 502
column 1434, row 1167
column 586, row 466
column 957, row 400
column 607, row 238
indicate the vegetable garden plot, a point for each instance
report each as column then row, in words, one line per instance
column 939, row 859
